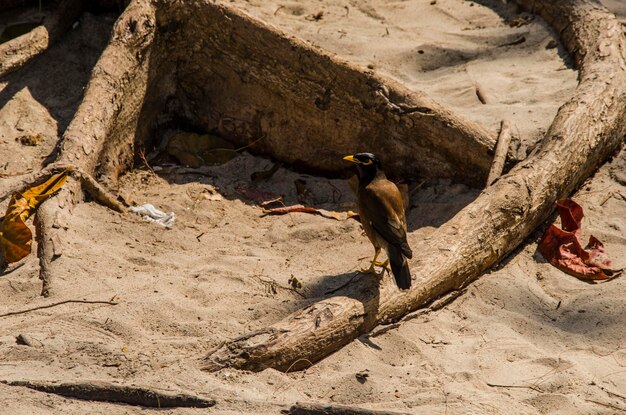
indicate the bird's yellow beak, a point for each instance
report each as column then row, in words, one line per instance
column 351, row 158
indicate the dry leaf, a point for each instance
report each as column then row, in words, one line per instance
column 15, row 237
column 303, row 209
column 562, row 247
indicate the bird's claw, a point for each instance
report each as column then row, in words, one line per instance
column 372, row 269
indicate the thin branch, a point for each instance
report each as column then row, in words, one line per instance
column 14, row 313
column 495, row 385
column 607, row 405
column 502, row 148
column 438, row 304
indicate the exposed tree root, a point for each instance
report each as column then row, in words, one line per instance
column 19, row 51
column 587, row 129
column 47, row 239
column 108, row 392
column 502, row 149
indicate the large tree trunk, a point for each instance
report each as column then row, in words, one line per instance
column 586, row 130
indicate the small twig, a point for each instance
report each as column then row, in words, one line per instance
column 606, row 199
column 502, row 148
column 144, row 160
column 614, row 394
column 607, row 405
column 437, row 304
column 236, row 150
column 14, row 313
column 279, row 7
column 274, row 284
column 495, row 385
column 298, row 361
column 345, row 284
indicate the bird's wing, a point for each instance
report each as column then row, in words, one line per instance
column 381, row 204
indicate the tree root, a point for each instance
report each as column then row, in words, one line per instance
column 108, row 392
column 15, row 313
column 47, row 243
column 17, row 52
column 502, row 149
column 586, row 131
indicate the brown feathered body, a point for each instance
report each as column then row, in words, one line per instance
column 382, row 215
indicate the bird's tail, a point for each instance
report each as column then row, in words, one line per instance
column 399, row 267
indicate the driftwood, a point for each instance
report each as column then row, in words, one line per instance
column 502, row 149
column 108, row 392
column 19, row 51
column 318, row 409
column 587, row 129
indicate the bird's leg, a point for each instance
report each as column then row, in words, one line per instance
column 371, row 270
column 384, row 264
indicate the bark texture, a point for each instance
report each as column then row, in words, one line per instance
column 502, row 149
column 107, row 116
column 19, row 51
column 587, row 130
column 244, row 79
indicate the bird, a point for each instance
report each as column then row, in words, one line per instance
column 381, row 210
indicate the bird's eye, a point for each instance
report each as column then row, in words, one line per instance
column 367, row 162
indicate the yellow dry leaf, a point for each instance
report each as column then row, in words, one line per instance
column 15, row 237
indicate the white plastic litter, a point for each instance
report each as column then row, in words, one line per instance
column 152, row 214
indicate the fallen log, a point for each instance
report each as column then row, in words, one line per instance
column 586, row 130
column 108, row 392
column 19, row 51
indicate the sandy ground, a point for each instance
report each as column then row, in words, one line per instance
column 553, row 344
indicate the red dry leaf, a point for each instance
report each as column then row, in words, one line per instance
column 289, row 209
column 562, row 248
column 571, row 214
column 301, row 208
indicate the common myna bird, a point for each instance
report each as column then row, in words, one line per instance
column 381, row 209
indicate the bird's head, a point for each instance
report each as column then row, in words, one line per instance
column 367, row 164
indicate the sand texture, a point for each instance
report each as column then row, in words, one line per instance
column 525, row 338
